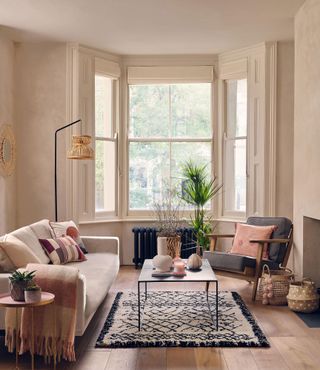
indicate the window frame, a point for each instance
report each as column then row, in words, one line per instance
column 232, row 69
column 102, row 214
column 227, row 213
column 130, row 213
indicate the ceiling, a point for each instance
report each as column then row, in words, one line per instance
column 152, row 26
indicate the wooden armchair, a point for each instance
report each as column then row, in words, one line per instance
column 250, row 268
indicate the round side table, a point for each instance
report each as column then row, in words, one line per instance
column 46, row 298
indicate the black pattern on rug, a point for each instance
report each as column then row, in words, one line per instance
column 180, row 319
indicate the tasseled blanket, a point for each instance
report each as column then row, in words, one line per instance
column 49, row 333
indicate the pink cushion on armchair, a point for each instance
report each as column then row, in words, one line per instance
column 245, row 233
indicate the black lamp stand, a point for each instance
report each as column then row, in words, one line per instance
column 56, row 164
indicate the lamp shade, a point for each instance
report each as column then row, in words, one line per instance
column 81, row 148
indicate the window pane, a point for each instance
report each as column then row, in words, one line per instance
column 105, row 175
column 236, row 107
column 103, row 106
column 149, row 110
column 148, row 173
column 191, row 110
column 235, row 179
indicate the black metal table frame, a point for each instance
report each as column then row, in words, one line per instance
column 216, row 321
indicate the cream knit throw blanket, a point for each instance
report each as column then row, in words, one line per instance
column 62, row 282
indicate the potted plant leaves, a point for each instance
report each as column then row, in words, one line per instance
column 18, row 282
column 32, row 294
column 197, row 190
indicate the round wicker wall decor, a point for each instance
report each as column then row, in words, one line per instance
column 7, row 150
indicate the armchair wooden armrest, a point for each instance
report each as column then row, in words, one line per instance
column 214, row 238
column 220, row 235
column 263, row 241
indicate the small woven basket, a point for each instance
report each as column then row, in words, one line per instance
column 303, row 296
column 274, row 283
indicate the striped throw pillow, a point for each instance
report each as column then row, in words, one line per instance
column 62, row 250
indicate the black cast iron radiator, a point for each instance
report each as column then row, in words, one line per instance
column 145, row 243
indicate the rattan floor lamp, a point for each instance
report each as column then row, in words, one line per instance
column 80, row 150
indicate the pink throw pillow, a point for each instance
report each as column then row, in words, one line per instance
column 245, row 233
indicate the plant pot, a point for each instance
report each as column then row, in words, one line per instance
column 32, row 296
column 174, row 246
column 17, row 290
column 162, row 246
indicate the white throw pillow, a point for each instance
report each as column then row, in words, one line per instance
column 6, row 264
column 68, row 228
column 28, row 237
column 18, row 252
column 42, row 229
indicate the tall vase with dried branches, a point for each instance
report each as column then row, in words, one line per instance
column 168, row 223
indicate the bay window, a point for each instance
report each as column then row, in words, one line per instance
column 165, row 116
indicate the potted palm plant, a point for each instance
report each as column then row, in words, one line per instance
column 18, row 282
column 197, row 190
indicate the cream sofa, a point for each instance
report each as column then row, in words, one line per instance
column 96, row 275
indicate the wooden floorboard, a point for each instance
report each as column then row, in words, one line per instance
column 293, row 345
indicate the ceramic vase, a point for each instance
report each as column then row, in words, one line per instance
column 162, row 247
column 162, row 263
column 194, row 262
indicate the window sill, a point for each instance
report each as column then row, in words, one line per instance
column 144, row 219
column 115, row 220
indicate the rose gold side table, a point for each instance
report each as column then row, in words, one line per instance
column 46, row 298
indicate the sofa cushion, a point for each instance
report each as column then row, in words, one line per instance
column 42, row 229
column 27, row 235
column 18, row 252
column 6, row 264
column 277, row 251
column 234, row 262
column 99, row 271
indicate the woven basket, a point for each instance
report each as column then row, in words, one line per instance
column 303, row 296
column 275, row 284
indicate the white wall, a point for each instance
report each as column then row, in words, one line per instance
column 307, row 133
column 40, row 109
column 8, row 184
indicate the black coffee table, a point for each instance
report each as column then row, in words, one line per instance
column 205, row 275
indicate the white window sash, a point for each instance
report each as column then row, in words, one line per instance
column 107, row 71
column 234, row 70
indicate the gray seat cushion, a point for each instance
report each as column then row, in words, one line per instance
column 277, row 251
column 234, row 262
column 100, row 270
